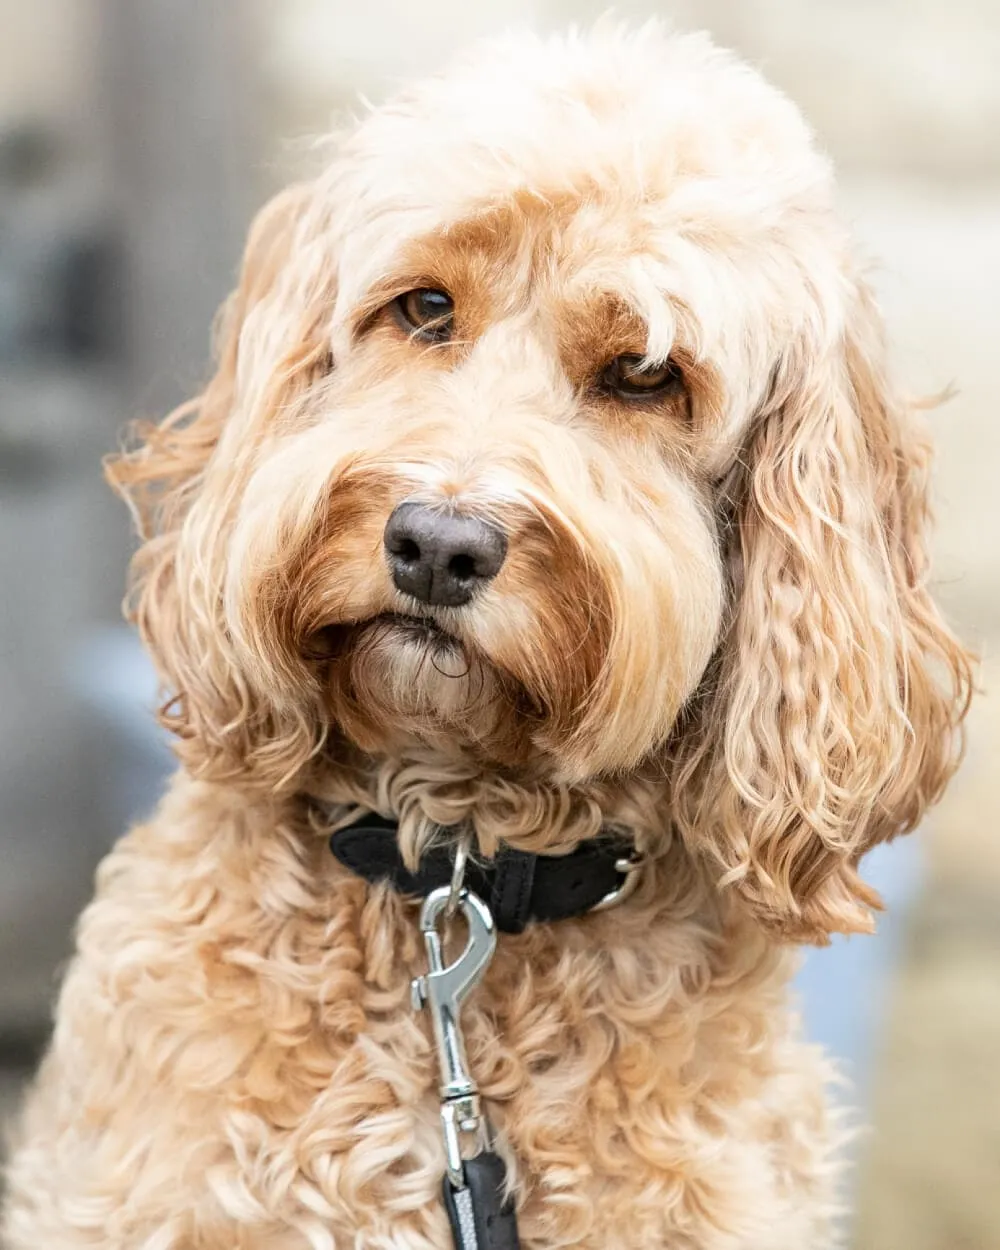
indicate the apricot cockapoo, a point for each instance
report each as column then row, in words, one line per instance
column 551, row 500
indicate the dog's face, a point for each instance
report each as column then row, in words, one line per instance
column 493, row 523
column 550, row 433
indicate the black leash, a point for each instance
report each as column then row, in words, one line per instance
column 506, row 893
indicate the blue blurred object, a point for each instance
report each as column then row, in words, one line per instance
column 114, row 678
column 844, row 989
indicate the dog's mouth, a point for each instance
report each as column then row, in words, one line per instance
column 419, row 630
column 388, row 628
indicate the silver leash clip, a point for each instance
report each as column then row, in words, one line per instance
column 443, row 989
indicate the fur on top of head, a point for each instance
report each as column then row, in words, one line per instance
column 659, row 375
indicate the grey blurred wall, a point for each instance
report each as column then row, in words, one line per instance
column 127, row 159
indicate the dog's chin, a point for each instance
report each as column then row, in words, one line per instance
column 397, row 678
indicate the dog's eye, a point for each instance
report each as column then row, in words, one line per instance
column 428, row 312
column 629, row 376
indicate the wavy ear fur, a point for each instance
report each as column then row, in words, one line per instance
column 269, row 341
column 834, row 719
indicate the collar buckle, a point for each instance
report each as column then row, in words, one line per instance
column 629, row 867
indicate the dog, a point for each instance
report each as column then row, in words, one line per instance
column 550, row 493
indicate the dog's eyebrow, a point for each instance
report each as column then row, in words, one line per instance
column 604, row 324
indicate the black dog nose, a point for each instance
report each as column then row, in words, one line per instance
column 441, row 558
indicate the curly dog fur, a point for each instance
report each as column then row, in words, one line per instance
column 712, row 630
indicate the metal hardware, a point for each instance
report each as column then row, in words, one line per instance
column 458, row 874
column 443, row 989
column 629, row 867
column 480, row 1211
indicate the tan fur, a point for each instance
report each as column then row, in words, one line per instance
column 712, row 631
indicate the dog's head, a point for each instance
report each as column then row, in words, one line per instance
column 551, row 429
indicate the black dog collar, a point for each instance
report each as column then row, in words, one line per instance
column 518, row 886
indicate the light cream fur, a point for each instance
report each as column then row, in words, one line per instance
column 712, row 631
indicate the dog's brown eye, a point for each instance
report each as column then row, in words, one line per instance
column 631, row 377
column 428, row 312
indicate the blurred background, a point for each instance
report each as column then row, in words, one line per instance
column 137, row 137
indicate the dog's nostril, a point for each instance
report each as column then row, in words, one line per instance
column 462, row 566
column 407, row 550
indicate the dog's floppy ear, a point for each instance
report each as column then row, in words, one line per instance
column 179, row 477
column 834, row 716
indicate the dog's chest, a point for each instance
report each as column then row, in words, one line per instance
column 606, row 1063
